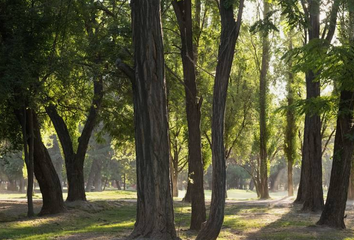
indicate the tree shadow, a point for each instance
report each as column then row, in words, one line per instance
column 292, row 223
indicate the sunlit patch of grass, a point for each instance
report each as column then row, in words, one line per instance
column 111, row 195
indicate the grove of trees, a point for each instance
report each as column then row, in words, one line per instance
column 164, row 95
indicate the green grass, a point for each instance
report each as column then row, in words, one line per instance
column 113, row 218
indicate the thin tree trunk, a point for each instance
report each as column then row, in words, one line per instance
column 351, row 184
column 155, row 217
column 333, row 212
column 291, row 128
column 183, row 11
column 174, row 184
column 28, row 159
column 229, row 34
column 263, row 105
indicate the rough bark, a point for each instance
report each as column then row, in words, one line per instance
column 74, row 161
column 311, row 193
column 333, row 212
column 229, row 34
column 155, row 218
column 334, row 209
column 195, row 167
column 263, row 110
column 43, row 169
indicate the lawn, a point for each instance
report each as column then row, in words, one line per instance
column 111, row 215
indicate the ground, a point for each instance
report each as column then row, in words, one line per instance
column 111, row 214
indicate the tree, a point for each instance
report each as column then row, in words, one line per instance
column 27, row 34
column 334, row 209
column 264, row 192
column 229, row 34
column 290, row 147
column 183, row 11
column 154, row 217
column 310, row 191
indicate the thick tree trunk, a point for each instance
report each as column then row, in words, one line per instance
column 333, row 212
column 263, row 111
column 311, row 172
column 46, row 175
column 229, row 34
column 74, row 162
column 43, row 167
column 311, row 169
column 311, row 155
column 183, row 11
column 155, row 218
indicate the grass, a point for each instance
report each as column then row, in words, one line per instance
column 109, row 217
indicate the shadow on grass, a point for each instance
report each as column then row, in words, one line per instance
column 113, row 221
column 293, row 224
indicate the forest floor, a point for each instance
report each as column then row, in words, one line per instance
column 111, row 215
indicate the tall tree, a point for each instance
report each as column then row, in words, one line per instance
column 264, row 192
column 183, row 11
column 154, row 217
column 291, row 127
column 229, row 33
column 74, row 160
column 310, row 191
column 334, row 209
column 44, row 170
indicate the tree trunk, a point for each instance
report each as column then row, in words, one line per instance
column 312, row 162
column 27, row 120
column 263, row 111
column 183, row 11
column 300, row 197
column 291, row 128
column 333, row 212
column 74, row 162
column 45, row 174
column 98, row 177
column 229, row 34
column 118, row 185
column 351, row 184
column 290, row 180
column 155, row 217
column 42, row 166
column 311, row 178
column 175, row 184
column 188, row 196
column 95, row 173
